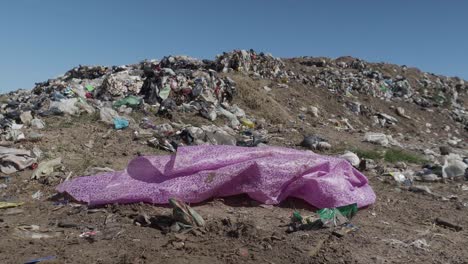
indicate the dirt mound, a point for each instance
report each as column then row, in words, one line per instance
column 248, row 99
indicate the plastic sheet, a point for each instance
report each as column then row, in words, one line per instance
column 195, row 174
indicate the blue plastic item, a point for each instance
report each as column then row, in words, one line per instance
column 120, row 123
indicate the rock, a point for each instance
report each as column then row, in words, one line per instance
column 401, row 112
column 445, row 150
column 282, row 85
column 452, row 142
column 376, row 138
column 312, row 142
column 33, row 136
column 15, row 135
column 453, row 166
column 37, row 123
column 420, row 189
column 26, row 117
column 178, row 245
column 389, row 119
column 243, row 252
column 430, row 177
column 323, row 145
column 448, row 224
column 266, row 88
column 314, row 111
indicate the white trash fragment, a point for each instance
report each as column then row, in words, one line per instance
column 45, row 168
column 67, row 106
column 351, row 157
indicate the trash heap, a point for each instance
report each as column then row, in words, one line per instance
column 156, row 88
column 347, row 76
column 260, row 65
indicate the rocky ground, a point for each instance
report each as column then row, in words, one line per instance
column 419, row 216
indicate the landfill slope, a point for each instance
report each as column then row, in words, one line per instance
column 417, row 121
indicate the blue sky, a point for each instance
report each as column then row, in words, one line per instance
column 41, row 39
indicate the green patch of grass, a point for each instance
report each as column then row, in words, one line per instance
column 395, row 155
column 368, row 154
column 392, row 155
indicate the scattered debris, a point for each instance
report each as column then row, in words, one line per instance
column 37, row 260
column 13, row 160
column 45, row 168
column 4, row 205
column 446, row 223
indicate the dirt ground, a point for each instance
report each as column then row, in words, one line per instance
column 399, row 228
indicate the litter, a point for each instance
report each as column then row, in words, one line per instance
column 351, row 158
column 345, row 229
column 337, row 216
column 446, row 223
column 131, row 101
column 45, row 168
column 184, row 215
column 67, row 106
column 13, row 160
column 33, row 261
column 37, row 195
column 89, row 88
column 120, row 123
column 89, row 234
column 419, row 243
column 34, row 232
column 194, row 174
column 107, row 115
column 4, row 205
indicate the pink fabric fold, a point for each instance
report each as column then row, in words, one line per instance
column 195, row 174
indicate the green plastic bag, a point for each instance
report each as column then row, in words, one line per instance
column 337, row 216
column 164, row 92
column 89, row 87
column 131, row 101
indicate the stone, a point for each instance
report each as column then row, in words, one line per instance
column 37, row 123
column 453, row 166
column 26, row 117
column 376, row 138
column 314, row 111
column 445, row 150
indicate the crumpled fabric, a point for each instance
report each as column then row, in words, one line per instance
column 13, row 160
column 197, row 173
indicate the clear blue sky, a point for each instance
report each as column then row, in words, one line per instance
column 41, row 39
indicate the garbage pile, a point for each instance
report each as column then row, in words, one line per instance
column 346, row 76
column 259, row 65
column 173, row 84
